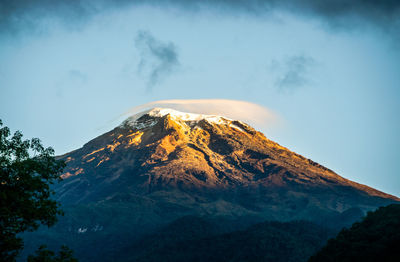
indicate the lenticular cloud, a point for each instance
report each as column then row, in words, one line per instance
column 250, row 113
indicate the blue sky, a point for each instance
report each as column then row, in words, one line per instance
column 331, row 77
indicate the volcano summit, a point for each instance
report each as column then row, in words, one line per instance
column 210, row 165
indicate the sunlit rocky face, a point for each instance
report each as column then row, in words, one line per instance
column 163, row 154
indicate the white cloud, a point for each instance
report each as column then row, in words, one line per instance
column 250, row 113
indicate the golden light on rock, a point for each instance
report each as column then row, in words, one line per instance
column 136, row 138
column 113, row 146
column 93, row 152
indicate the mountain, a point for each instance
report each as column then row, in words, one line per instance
column 227, row 165
column 161, row 165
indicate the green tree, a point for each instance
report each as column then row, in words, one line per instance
column 375, row 238
column 44, row 255
column 27, row 170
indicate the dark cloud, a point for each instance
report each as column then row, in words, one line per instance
column 24, row 14
column 344, row 14
column 27, row 15
column 368, row 9
column 157, row 59
column 294, row 73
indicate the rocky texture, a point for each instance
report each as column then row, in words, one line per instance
column 206, row 165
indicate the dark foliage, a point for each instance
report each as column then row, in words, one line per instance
column 45, row 255
column 268, row 241
column 375, row 238
column 27, row 170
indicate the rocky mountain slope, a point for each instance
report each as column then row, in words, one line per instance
column 161, row 165
column 209, row 165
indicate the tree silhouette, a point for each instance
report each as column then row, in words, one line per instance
column 27, row 170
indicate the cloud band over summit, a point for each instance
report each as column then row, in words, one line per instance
column 17, row 15
column 248, row 112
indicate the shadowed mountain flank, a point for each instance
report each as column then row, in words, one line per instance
column 162, row 165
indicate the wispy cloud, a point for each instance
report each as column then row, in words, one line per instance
column 157, row 59
column 295, row 73
column 77, row 76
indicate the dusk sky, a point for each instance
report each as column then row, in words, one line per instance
column 321, row 78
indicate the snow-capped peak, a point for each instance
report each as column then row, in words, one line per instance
column 160, row 112
column 157, row 112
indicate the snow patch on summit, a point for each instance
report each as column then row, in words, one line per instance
column 190, row 118
column 187, row 117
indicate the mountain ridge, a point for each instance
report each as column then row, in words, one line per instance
column 191, row 152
